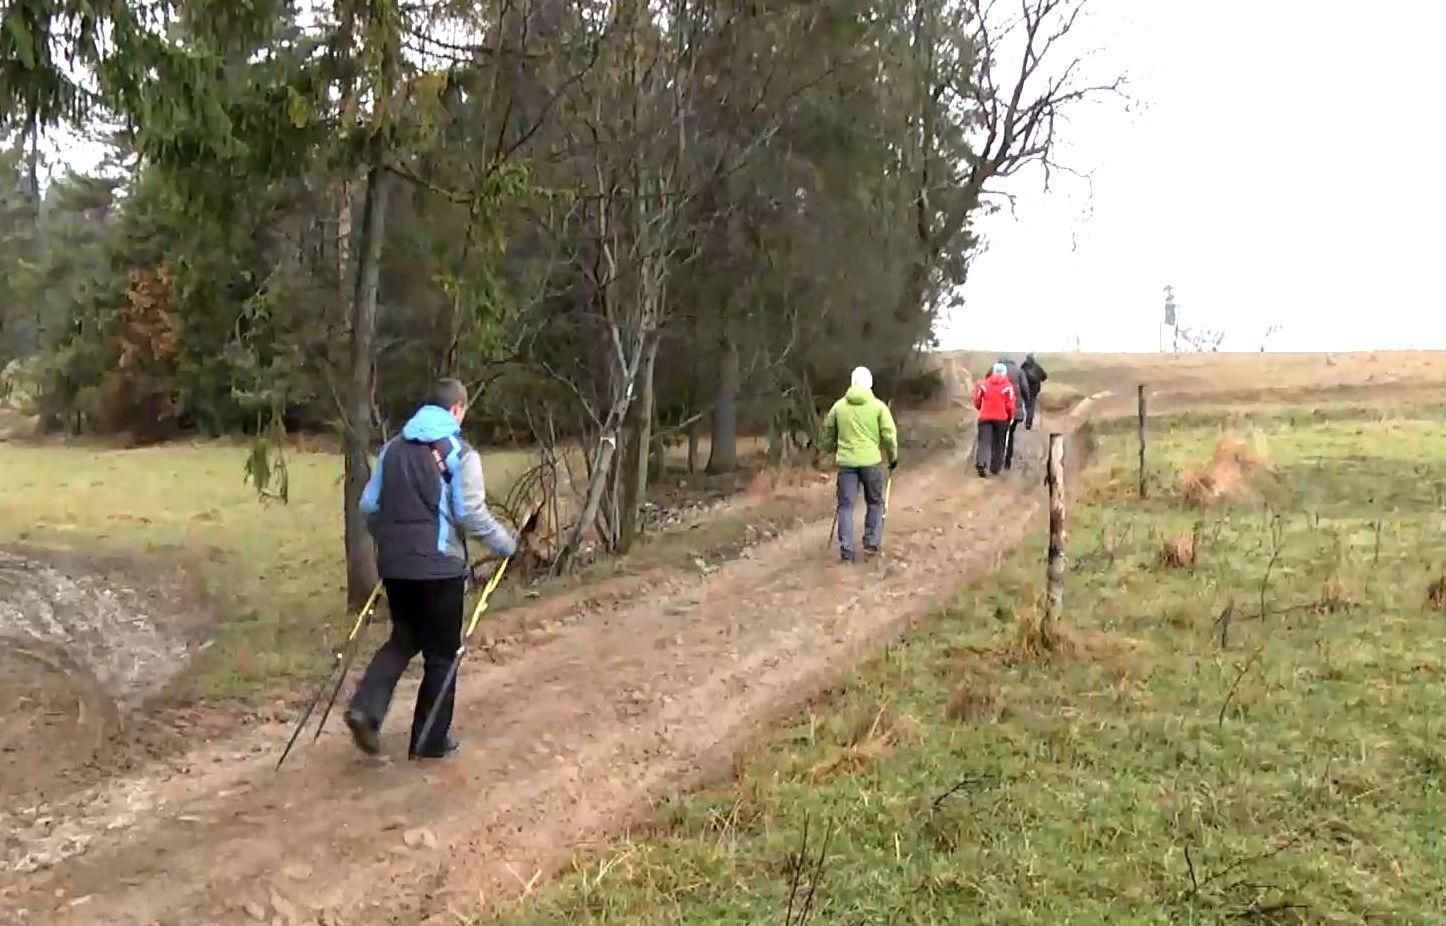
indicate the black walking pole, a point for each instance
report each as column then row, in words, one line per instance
column 341, row 663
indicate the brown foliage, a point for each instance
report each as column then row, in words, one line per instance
column 869, row 742
column 1436, row 594
column 1335, row 596
column 971, row 702
column 138, row 396
column 1178, row 552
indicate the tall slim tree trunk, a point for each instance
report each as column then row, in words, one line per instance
column 695, row 441
column 346, row 283
column 723, row 455
column 37, row 241
column 361, row 567
column 640, row 435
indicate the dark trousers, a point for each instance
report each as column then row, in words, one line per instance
column 1029, row 412
column 426, row 618
column 1009, row 443
column 989, row 450
column 850, row 480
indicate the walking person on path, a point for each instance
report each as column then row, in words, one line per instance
column 425, row 496
column 1036, row 376
column 1023, row 397
column 995, row 400
column 859, row 430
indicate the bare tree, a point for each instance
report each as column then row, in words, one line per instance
column 994, row 83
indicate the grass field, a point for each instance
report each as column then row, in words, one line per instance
column 1146, row 772
column 275, row 570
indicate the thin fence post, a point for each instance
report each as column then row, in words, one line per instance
column 1054, row 570
column 1144, row 470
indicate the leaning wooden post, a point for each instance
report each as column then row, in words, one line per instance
column 1144, row 472
column 1054, row 571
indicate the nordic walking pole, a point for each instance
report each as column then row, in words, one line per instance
column 352, row 646
column 342, row 660
column 889, row 479
column 477, row 611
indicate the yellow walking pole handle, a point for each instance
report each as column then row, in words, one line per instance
column 363, row 614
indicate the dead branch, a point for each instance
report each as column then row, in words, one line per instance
column 805, row 875
column 1235, row 686
column 973, row 783
column 1277, row 547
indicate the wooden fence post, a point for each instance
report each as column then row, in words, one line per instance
column 1144, row 471
column 1054, row 571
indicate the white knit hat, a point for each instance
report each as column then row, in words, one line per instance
column 862, row 378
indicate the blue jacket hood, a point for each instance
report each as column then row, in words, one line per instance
column 431, row 423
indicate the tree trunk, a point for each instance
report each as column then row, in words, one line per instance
column 640, row 436
column 695, row 440
column 658, row 465
column 723, row 455
column 777, row 439
column 361, row 567
column 596, row 487
column 345, row 282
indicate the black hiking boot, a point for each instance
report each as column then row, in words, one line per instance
column 870, row 552
column 847, row 556
column 363, row 732
column 982, row 473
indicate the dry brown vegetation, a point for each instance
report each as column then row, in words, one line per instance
column 869, row 742
column 1436, row 594
column 1178, row 552
column 1229, row 475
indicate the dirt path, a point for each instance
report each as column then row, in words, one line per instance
column 573, row 738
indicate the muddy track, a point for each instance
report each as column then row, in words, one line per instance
column 574, row 738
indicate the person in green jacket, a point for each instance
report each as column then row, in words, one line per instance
column 859, row 431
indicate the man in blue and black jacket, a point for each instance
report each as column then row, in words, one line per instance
column 425, row 497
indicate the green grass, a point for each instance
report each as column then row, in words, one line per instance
column 967, row 779
column 275, row 570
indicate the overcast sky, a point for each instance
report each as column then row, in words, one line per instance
column 1287, row 167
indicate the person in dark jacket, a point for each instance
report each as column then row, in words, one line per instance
column 1036, row 375
column 424, row 498
column 995, row 400
column 1023, row 397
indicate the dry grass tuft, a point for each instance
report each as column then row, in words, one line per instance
column 974, row 700
column 1035, row 637
column 1436, row 595
column 1228, row 476
column 869, row 743
column 1178, row 552
column 969, row 705
column 1335, row 597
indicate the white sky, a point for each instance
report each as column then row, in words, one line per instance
column 1287, row 166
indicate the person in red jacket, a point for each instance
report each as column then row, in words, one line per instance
column 996, row 401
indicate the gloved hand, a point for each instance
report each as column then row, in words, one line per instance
column 502, row 543
column 893, row 464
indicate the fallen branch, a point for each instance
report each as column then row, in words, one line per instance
column 968, row 784
column 1220, row 721
column 1197, row 884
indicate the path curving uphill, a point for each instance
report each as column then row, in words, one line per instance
column 572, row 739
